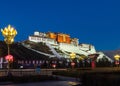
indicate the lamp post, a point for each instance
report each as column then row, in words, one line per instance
column 9, row 33
column 93, row 58
column 81, row 59
column 72, row 56
column 117, row 57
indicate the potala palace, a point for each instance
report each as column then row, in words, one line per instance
column 66, row 45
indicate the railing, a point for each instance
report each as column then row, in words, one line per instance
column 22, row 72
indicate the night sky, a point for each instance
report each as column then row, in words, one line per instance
column 95, row 22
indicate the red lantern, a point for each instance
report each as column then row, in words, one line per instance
column 93, row 64
column 54, row 65
column 9, row 58
column 72, row 64
column 117, row 62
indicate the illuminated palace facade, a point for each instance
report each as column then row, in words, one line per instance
column 53, row 38
column 63, row 42
column 66, row 44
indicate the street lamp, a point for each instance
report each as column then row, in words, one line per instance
column 9, row 33
column 117, row 57
column 81, row 59
column 72, row 56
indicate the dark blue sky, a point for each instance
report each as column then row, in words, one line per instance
column 92, row 21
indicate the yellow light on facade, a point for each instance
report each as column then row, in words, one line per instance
column 81, row 58
column 72, row 55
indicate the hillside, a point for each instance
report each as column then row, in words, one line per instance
column 20, row 52
column 38, row 46
column 36, row 51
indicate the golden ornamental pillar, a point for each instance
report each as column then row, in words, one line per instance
column 9, row 33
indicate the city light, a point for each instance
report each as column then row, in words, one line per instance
column 117, row 57
column 72, row 56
